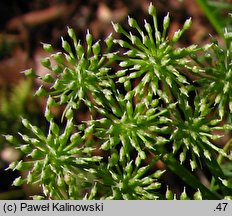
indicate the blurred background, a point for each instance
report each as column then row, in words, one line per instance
column 25, row 24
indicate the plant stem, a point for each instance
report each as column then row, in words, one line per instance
column 220, row 159
column 189, row 178
column 225, row 148
column 186, row 175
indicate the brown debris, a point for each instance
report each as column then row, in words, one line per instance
column 35, row 18
column 11, row 67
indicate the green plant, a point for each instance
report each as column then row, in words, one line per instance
column 16, row 101
column 150, row 109
column 215, row 12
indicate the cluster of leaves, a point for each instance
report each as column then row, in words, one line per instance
column 147, row 110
